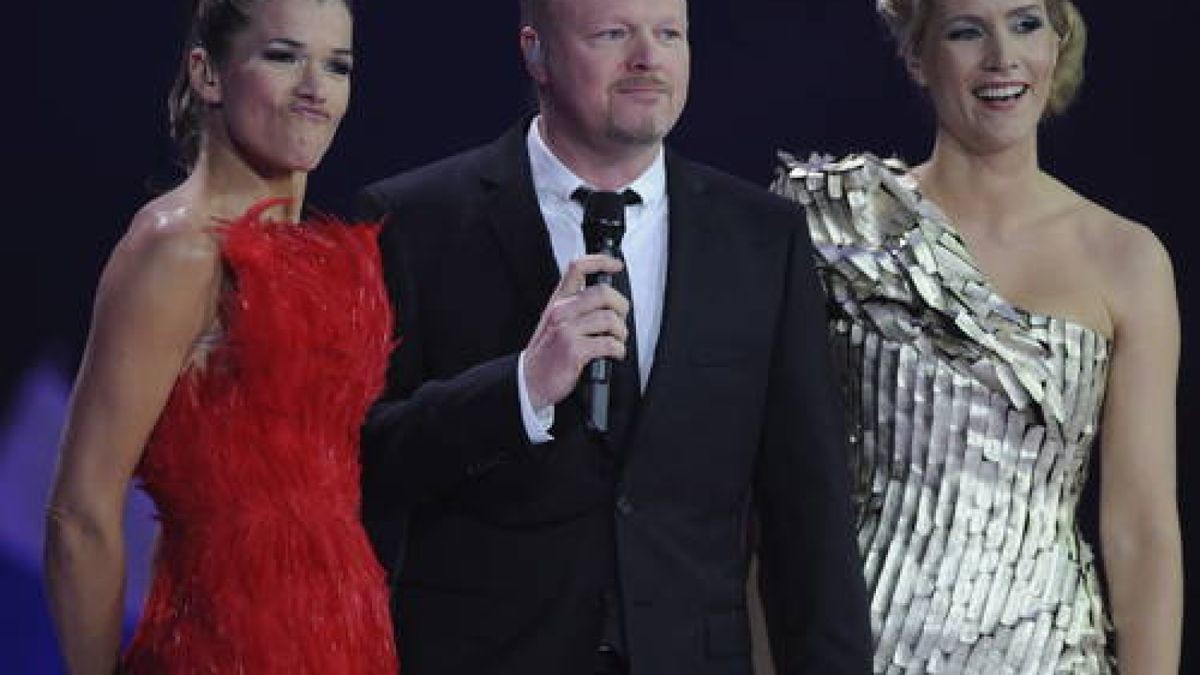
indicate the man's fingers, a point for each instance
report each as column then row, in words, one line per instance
column 602, row 297
column 586, row 301
column 575, row 278
column 599, row 347
column 603, row 322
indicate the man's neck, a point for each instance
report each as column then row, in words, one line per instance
column 606, row 168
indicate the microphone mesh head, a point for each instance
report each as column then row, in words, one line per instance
column 603, row 219
column 608, row 207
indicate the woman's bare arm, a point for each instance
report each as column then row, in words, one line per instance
column 1139, row 518
column 156, row 296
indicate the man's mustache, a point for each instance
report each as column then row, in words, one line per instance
column 643, row 82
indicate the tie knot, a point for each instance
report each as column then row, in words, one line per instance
column 591, row 199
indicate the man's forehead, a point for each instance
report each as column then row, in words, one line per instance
column 556, row 9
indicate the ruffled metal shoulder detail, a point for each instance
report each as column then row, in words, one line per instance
column 891, row 258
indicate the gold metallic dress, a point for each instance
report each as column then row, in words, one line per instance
column 970, row 422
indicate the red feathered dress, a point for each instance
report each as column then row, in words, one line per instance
column 263, row 565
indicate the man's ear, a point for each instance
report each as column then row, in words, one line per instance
column 534, row 53
column 202, row 73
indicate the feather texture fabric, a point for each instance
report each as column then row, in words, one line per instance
column 263, row 566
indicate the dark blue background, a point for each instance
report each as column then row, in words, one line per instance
column 87, row 85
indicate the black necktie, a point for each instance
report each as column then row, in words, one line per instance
column 603, row 210
column 625, row 390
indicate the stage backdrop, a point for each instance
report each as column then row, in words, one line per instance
column 89, row 145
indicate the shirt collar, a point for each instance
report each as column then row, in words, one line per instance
column 554, row 180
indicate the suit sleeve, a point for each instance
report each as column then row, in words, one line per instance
column 425, row 437
column 813, row 587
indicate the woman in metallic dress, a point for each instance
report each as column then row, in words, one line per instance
column 992, row 324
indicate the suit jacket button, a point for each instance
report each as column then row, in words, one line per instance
column 624, row 505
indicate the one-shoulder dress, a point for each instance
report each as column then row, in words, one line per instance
column 262, row 564
column 970, row 423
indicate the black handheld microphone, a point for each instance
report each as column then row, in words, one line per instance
column 603, row 227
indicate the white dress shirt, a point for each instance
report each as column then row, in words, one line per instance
column 644, row 247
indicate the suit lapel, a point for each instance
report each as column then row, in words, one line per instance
column 511, row 210
column 512, row 213
column 692, row 255
column 515, row 219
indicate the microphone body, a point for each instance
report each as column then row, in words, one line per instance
column 603, row 227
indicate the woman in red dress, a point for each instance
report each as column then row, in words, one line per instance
column 232, row 354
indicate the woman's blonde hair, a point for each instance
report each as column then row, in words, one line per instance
column 908, row 21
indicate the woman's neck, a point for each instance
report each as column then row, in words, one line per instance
column 994, row 190
column 227, row 184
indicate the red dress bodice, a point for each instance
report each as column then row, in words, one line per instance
column 263, row 565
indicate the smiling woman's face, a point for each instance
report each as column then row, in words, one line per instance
column 989, row 68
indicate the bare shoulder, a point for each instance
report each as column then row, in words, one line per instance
column 1128, row 258
column 168, row 260
column 169, row 230
column 168, row 241
column 1120, row 244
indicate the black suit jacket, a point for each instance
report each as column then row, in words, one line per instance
column 500, row 550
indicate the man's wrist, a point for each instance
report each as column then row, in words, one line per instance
column 537, row 421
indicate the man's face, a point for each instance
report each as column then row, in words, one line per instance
column 613, row 72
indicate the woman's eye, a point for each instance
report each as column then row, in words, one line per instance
column 281, row 55
column 1029, row 24
column 963, row 33
column 340, row 67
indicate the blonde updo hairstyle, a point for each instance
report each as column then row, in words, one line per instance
column 908, row 21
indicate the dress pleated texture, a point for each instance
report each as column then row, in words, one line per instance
column 971, row 423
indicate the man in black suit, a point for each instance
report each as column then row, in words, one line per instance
column 521, row 540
